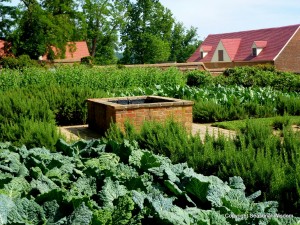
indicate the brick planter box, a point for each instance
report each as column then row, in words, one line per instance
column 103, row 111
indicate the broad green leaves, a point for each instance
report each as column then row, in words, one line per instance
column 6, row 204
column 147, row 32
column 119, row 184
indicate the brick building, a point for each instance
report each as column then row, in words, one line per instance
column 279, row 46
column 75, row 51
column 4, row 49
column 2, row 52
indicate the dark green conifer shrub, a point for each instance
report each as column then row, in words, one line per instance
column 197, row 78
column 21, row 62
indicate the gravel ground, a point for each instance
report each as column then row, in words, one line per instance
column 201, row 129
column 73, row 133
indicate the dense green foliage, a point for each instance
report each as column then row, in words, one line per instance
column 43, row 24
column 183, row 43
column 35, row 100
column 267, row 162
column 7, row 22
column 64, row 90
column 147, row 33
column 103, row 21
column 26, row 119
column 221, row 103
column 17, row 63
column 271, row 121
column 96, row 182
column 261, row 76
column 197, row 78
column 104, row 78
column 145, row 30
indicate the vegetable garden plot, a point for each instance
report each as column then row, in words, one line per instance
column 95, row 182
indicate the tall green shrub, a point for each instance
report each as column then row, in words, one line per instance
column 26, row 119
column 23, row 61
column 264, row 161
column 260, row 76
column 198, row 78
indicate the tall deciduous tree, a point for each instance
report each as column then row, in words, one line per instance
column 29, row 37
column 104, row 19
column 8, row 18
column 147, row 32
column 41, row 26
column 183, row 43
column 66, row 14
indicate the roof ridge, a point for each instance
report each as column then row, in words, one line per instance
column 276, row 38
column 270, row 28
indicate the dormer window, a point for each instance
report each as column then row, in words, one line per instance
column 221, row 55
column 226, row 50
column 204, row 50
column 254, row 52
column 257, row 47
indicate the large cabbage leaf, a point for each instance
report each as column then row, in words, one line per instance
column 81, row 215
column 54, row 213
column 9, row 162
column 43, row 184
column 111, row 190
column 6, row 204
column 26, row 211
column 17, row 187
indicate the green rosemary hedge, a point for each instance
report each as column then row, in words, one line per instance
column 265, row 161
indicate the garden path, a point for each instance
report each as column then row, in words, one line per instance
column 202, row 129
column 73, row 133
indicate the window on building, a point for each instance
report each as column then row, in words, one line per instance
column 254, row 52
column 201, row 55
column 220, row 55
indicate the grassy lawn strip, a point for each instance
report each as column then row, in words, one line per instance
column 240, row 124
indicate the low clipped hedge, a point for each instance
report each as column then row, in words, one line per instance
column 260, row 76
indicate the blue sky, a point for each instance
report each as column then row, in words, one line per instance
column 222, row 16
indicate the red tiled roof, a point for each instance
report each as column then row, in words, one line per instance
column 276, row 39
column 5, row 48
column 206, row 48
column 2, row 48
column 74, row 51
column 260, row 44
column 231, row 46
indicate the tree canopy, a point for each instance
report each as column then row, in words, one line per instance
column 8, row 18
column 104, row 18
column 142, row 31
column 147, row 32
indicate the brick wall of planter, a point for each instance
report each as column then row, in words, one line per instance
column 181, row 114
column 101, row 113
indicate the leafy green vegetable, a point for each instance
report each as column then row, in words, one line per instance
column 26, row 211
column 81, row 215
column 111, row 191
column 122, row 213
column 17, row 188
column 104, row 182
column 43, row 184
column 6, row 204
column 53, row 212
column 102, row 217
